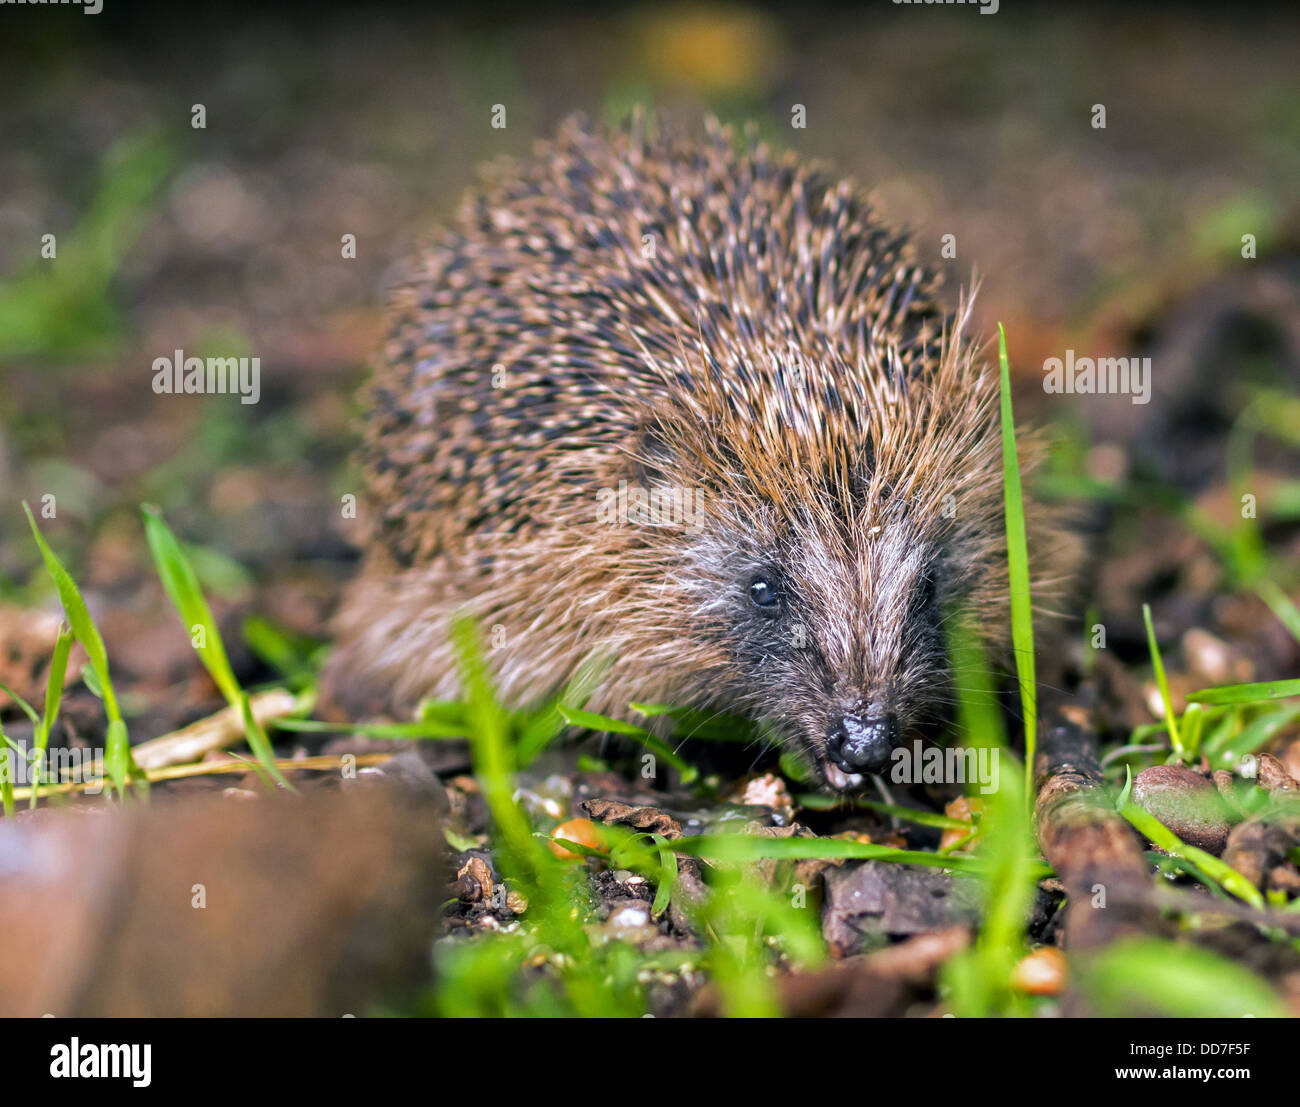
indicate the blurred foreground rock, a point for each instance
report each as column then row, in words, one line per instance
column 286, row 906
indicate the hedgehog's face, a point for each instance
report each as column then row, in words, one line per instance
column 838, row 642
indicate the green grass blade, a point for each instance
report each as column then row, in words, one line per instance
column 7, row 747
column 431, row 729
column 118, row 761
column 27, row 708
column 980, row 978
column 295, row 656
column 667, row 876
column 1162, row 682
column 182, row 587
column 54, row 686
column 187, row 597
column 706, row 726
column 1264, row 692
column 1022, row 613
column 575, row 847
column 591, row 721
column 443, row 711
column 1233, row 747
column 43, row 724
column 1124, row 792
column 494, row 764
column 91, row 680
column 1010, row 872
column 260, row 744
column 78, row 615
column 979, row 715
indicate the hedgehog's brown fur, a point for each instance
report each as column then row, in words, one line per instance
column 778, row 350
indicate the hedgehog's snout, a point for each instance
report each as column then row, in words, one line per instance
column 859, row 745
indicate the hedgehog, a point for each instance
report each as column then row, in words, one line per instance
column 676, row 402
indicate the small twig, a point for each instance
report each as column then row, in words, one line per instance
column 1092, row 848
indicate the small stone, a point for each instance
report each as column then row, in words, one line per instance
column 1041, row 973
column 1185, row 802
column 474, row 881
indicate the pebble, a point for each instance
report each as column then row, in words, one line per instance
column 1041, row 973
column 1186, row 802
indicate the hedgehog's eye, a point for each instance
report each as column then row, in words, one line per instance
column 763, row 593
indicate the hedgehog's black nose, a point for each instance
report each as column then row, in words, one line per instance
column 862, row 745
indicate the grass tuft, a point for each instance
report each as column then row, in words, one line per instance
column 42, row 724
column 979, row 980
column 118, row 762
